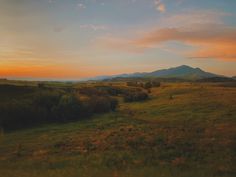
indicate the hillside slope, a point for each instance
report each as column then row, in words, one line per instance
column 183, row 71
column 190, row 134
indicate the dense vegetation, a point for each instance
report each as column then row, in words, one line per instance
column 26, row 106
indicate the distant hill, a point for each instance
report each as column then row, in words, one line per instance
column 180, row 72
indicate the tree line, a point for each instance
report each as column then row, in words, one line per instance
column 29, row 106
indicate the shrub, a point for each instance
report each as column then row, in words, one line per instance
column 135, row 96
column 68, row 108
column 100, row 104
column 90, row 91
column 156, row 84
column 132, row 84
column 147, row 85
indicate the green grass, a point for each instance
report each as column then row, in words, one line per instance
column 191, row 134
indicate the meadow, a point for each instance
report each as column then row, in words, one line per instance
column 183, row 129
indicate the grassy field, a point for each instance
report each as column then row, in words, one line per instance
column 183, row 130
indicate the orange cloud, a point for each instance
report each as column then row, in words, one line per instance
column 223, row 51
column 160, row 6
column 214, row 41
column 211, row 40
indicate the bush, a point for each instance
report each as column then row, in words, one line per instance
column 135, row 96
column 68, row 108
column 132, row 84
column 145, row 85
column 110, row 90
column 90, row 91
column 46, row 105
column 156, row 84
column 99, row 104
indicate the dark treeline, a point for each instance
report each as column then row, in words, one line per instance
column 25, row 107
column 22, row 106
column 145, row 85
column 217, row 79
column 147, row 79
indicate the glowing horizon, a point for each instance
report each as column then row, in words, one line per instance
column 74, row 39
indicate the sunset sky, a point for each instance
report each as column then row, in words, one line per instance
column 74, row 39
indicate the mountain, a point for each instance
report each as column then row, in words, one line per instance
column 185, row 72
column 180, row 72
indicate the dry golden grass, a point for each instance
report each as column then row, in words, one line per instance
column 183, row 130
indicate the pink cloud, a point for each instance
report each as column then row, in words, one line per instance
column 210, row 41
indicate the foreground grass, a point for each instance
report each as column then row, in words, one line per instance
column 183, row 130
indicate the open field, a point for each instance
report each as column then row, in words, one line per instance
column 183, row 130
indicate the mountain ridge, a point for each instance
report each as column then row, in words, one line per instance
column 181, row 72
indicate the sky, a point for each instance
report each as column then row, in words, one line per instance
column 74, row 39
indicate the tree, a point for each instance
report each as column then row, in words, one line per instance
column 156, row 84
column 148, row 85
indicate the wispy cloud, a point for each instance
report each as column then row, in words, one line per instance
column 81, row 6
column 93, row 27
column 210, row 41
column 202, row 30
column 193, row 16
column 160, row 6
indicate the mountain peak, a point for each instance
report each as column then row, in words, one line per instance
column 184, row 66
column 187, row 67
column 183, row 71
